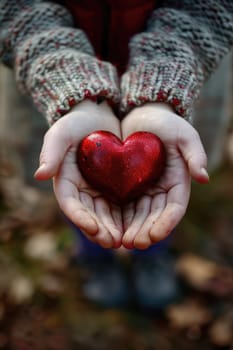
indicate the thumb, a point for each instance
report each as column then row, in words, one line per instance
column 192, row 150
column 53, row 151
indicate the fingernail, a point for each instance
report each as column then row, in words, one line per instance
column 204, row 172
column 41, row 167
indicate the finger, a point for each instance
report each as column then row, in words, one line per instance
column 78, row 214
column 143, row 208
column 117, row 217
column 68, row 199
column 104, row 214
column 194, row 154
column 54, row 148
column 177, row 202
column 103, row 238
column 85, row 221
column 87, row 201
column 142, row 239
column 128, row 215
column 166, row 222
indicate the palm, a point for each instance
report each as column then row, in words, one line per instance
column 99, row 220
column 82, row 204
column 152, row 217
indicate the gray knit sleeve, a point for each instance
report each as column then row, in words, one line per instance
column 182, row 45
column 54, row 62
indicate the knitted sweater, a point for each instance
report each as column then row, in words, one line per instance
column 55, row 63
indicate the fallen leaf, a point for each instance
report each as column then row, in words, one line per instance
column 41, row 246
column 205, row 275
column 195, row 269
column 191, row 313
column 221, row 331
column 20, row 290
column 51, row 285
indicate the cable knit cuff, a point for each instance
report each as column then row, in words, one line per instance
column 58, row 81
column 152, row 82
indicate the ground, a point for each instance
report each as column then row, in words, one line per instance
column 41, row 300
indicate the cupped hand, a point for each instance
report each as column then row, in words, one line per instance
column 98, row 219
column 152, row 217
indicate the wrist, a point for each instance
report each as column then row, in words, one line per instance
column 91, row 104
column 163, row 81
column 162, row 106
column 92, row 116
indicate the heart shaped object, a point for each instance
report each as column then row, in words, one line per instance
column 121, row 170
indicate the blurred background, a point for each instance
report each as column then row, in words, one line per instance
column 41, row 301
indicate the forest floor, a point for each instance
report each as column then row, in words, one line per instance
column 41, row 301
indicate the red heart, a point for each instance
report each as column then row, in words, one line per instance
column 120, row 170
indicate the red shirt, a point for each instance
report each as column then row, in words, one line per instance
column 109, row 25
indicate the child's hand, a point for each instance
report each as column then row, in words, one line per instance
column 86, row 208
column 152, row 217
